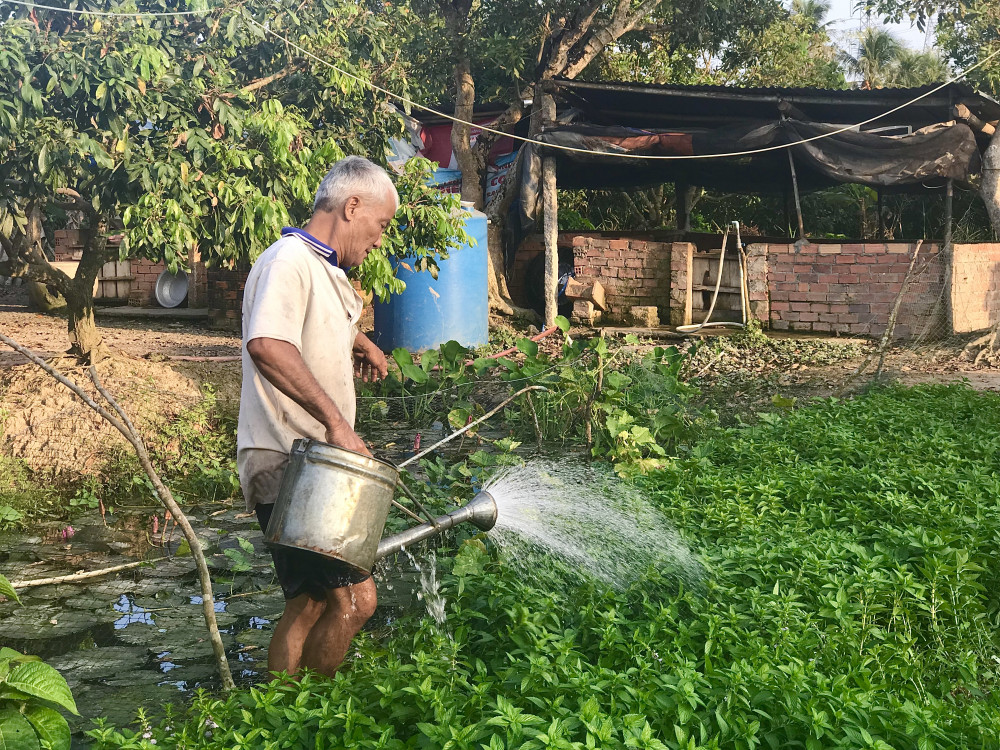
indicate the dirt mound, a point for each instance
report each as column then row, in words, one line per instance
column 53, row 431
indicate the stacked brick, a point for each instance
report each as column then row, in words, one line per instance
column 634, row 270
column 144, row 276
column 225, row 297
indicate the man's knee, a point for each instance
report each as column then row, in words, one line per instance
column 356, row 603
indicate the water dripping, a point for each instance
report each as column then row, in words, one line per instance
column 430, row 587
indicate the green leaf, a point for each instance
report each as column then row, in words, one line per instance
column 44, row 682
column 50, row 726
column 15, row 731
column 562, row 323
column 527, row 346
column 10, row 694
column 783, row 402
column 7, row 590
column 402, row 357
column 414, row 373
column 452, row 351
column 183, row 549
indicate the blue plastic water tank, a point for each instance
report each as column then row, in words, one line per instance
column 431, row 312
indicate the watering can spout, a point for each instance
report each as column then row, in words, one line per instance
column 481, row 512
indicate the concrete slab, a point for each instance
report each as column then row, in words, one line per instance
column 167, row 313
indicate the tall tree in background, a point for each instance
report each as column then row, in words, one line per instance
column 199, row 134
column 968, row 34
column 878, row 50
column 534, row 42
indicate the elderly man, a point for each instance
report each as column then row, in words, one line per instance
column 301, row 349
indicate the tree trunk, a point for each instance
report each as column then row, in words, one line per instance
column 989, row 186
column 85, row 338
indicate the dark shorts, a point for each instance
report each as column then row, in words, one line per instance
column 303, row 572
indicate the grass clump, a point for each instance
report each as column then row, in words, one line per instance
column 849, row 603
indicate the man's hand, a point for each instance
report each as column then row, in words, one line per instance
column 344, row 437
column 369, row 362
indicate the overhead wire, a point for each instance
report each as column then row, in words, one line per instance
column 110, row 14
column 525, row 139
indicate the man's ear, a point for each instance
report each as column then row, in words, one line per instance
column 351, row 207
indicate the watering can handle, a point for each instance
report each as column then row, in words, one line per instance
column 420, row 506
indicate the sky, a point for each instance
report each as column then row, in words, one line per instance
column 844, row 19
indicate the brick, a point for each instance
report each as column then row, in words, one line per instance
column 780, row 306
column 822, row 326
column 819, row 307
column 779, row 325
column 790, row 316
column 828, row 318
column 800, row 306
column 618, row 244
column 829, row 249
column 808, row 316
column 859, row 308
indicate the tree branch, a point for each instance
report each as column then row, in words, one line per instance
column 78, row 202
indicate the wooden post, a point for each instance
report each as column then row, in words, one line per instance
column 795, row 190
column 948, row 253
column 550, row 208
column 683, row 206
column 881, row 216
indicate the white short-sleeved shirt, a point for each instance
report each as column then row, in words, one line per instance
column 293, row 294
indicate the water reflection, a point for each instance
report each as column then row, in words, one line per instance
column 132, row 613
column 220, row 604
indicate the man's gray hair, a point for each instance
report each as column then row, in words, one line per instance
column 353, row 176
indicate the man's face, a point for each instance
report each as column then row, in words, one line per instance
column 367, row 220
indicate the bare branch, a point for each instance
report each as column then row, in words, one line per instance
column 127, row 429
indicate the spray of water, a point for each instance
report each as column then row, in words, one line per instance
column 595, row 524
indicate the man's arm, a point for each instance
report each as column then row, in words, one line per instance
column 369, row 361
column 282, row 365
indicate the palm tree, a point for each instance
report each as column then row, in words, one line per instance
column 878, row 51
column 918, row 68
column 814, row 11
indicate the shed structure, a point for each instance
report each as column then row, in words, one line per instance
column 752, row 141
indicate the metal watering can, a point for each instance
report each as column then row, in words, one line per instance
column 335, row 502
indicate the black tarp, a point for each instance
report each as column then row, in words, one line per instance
column 925, row 158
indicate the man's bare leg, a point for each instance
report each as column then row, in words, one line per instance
column 300, row 616
column 347, row 610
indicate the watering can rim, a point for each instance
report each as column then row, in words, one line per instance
column 302, row 444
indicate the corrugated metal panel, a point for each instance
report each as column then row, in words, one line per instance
column 666, row 106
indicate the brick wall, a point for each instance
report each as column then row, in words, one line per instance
column 225, row 299
column 822, row 287
column 975, row 290
column 851, row 288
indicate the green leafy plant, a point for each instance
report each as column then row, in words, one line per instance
column 848, row 602
column 31, row 692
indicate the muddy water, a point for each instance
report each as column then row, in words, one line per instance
column 137, row 638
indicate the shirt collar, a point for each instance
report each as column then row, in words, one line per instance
column 321, row 248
